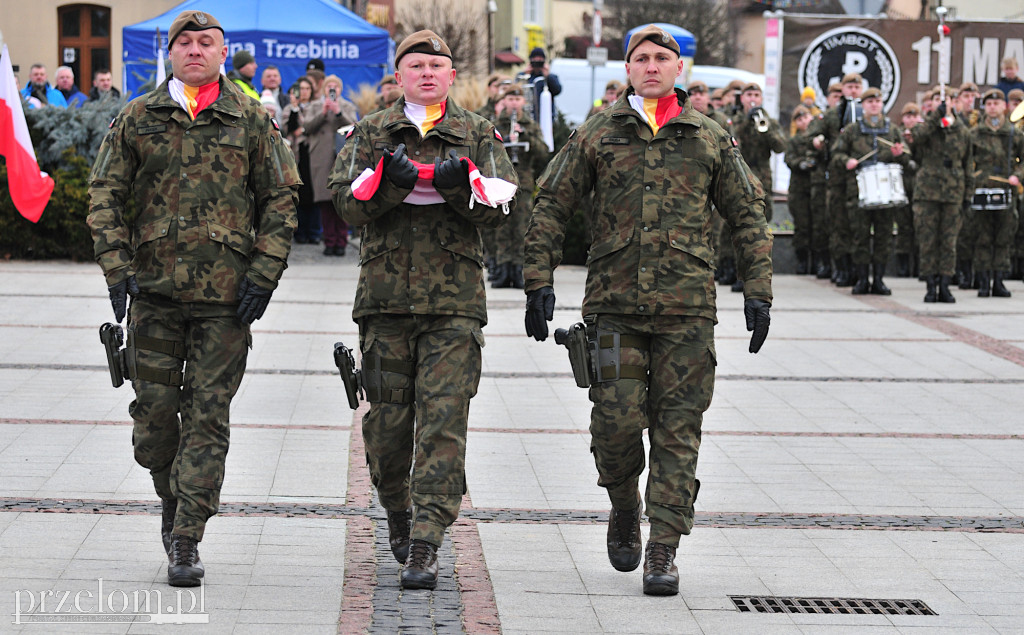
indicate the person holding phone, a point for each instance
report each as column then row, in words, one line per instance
column 321, row 122
column 301, row 95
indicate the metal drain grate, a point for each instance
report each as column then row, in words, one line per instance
column 832, row 606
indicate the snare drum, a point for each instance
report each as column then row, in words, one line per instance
column 991, row 199
column 880, row 185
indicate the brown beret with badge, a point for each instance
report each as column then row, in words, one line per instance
column 655, row 34
column 993, row 93
column 425, row 41
column 191, row 21
column 871, row 93
column 852, row 78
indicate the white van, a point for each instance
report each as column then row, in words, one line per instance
column 578, row 92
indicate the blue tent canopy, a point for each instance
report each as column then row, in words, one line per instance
column 687, row 43
column 286, row 34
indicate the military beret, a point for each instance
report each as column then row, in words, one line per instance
column 871, row 93
column 800, row 111
column 910, row 108
column 993, row 93
column 241, row 58
column 971, row 86
column 388, row 79
column 1017, row 94
column 613, row 85
column 717, row 93
column 655, row 34
column 752, row 87
column 191, row 21
column 315, row 64
column 424, row 41
column 734, row 85
column 835, row 87
column 852, row 78
column 510, row 89
column 697, row 87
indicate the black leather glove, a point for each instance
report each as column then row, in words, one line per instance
column 119, row 296
column 400, row 169
column 941, row 109
column 540, row 309
column 452, row 172
column 758, row 319
column 252, row 301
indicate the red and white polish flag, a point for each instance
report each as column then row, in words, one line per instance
column 491, row 191
column 30, row 188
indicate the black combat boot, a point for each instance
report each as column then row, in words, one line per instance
column 999, row 289
column 399, row 524
column 878, row 286
column 728, row 271
column 185, row 568
column 845, row 276
column 737, row 286
column 966, row 275
column 1016, row 268
column 502, row 275
column 661, row 577
column 944, row 294
column 420, row 570
column 984, row 284
column 517, row 277
column 167, row 511
column 492, row 268
column 903, row 265
column 822, row 269
column 801, row 262
column 863, row 284
column 931, row 295
column 624, row 539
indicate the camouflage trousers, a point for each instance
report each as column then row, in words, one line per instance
column 800, row 210
column 968, row 234
column 416, row 446
column 994, row 233
column 871, row 235
column 818, row 207
column 190, row 359
column 681, row 379
column 510, row 236
column 937, row 225
column 906, row 240
column 839, row 232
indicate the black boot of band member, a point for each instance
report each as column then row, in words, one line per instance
column 185, row 568
column 845, row 276
column 801, row 262
column 999, row 289
column 932, row 283
column 878, row 286
column 661, row 577
column 944, row 294
column 823, row 271
column 517, row 281
column 863, row 284
column 903, row 265
column 399, row 524
column 984, row 284
column 966, row 275
column 502, row 276
column 167, row 511
column 624, row 540
column 727, row 273
column 420, row 571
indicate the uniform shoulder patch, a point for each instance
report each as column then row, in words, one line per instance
column 497, row 135
column 112, row 122
column 276, row 125
column 349, row 133
column 734, row 143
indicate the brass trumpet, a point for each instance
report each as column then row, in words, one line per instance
column 760, row 120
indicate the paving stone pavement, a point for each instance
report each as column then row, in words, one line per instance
column 871, row 450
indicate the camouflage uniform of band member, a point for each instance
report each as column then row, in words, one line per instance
column 215, row 210
column 650, row 279
column 1017, row 251
column 867, row 246
column 509, row 237
column 420, row 305
column 944, row 185
column 906, row 241
column 998, row 151
column 830, row 126
column 804, row 161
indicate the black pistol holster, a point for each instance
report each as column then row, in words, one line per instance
column 118, row 360
column 350, row 376
column 576, row 341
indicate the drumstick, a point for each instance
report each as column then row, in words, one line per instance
column 1000, row 179
column 886, row 141
column 867, row 156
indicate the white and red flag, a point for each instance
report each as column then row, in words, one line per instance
column 30, row 188
column 487, row 190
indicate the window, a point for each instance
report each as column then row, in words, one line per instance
column 531, row 11
column 83, row 41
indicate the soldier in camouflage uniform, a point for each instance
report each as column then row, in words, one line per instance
column 826, row 132
column 214, row 191
column 803, row 160
column 998, row 151
column 872, row 136
column 655, row 167
column 420, row 303
column 966, row 272
column 697, row 91
column 1013, row 98
column 509, row 237
column 944, row 185
column 906, row 242
column 757, row 148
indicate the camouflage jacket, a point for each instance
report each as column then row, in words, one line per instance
column 419, row 259
column 651, row 219
column 910, row 169
column 997, row 152
column 757, row 147
column 214, row 198
column 800, row 148
column 532, row 162
column 945, row 159
column 719, row 117
column 859, row 139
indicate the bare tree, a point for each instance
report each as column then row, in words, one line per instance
column 708, row 20
column 462, row 25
